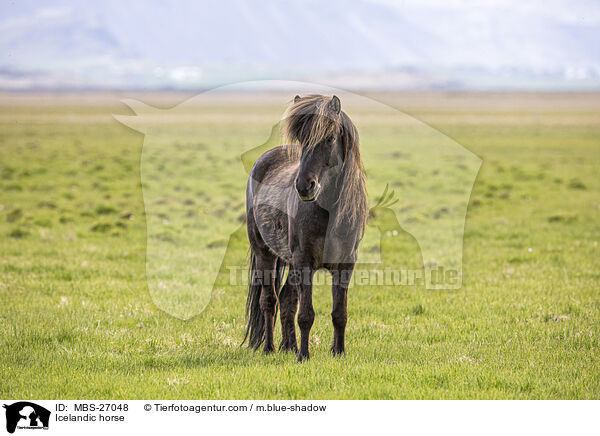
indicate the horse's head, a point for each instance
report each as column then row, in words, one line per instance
column 316, row 122
column 319, row 167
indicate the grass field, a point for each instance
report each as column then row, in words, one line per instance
column 77, row 319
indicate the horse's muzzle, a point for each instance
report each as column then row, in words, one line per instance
column 308, row 190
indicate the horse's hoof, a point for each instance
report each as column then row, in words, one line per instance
column 303, row 357
column 288, row 348
column 268, row 350
column 337, row 352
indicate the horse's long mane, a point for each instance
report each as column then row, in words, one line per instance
column 310, row 120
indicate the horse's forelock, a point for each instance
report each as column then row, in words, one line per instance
column 309, row 120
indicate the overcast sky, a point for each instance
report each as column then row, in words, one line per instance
column 112, row 43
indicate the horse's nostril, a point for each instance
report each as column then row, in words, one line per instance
column 311, row 185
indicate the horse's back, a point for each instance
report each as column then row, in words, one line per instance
column 269, row 162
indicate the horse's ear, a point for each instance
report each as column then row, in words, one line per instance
column 335, row 105
column 296, row 99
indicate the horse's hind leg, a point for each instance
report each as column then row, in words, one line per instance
column 288, row 305
column 265, row 264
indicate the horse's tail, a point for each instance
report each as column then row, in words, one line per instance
column 255, row 328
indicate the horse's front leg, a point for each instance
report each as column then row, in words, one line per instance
column 306, row 314
column 339, row 312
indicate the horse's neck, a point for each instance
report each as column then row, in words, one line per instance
column 337, row 222
column 328, row 199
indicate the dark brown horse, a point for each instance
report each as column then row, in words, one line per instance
column 306, row 208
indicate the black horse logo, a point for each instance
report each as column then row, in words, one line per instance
column 26, row 415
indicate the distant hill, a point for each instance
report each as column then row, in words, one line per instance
column 368, row 44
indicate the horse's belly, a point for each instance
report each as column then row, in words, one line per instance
column 270, row 215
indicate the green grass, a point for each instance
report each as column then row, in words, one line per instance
column 77, row 319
